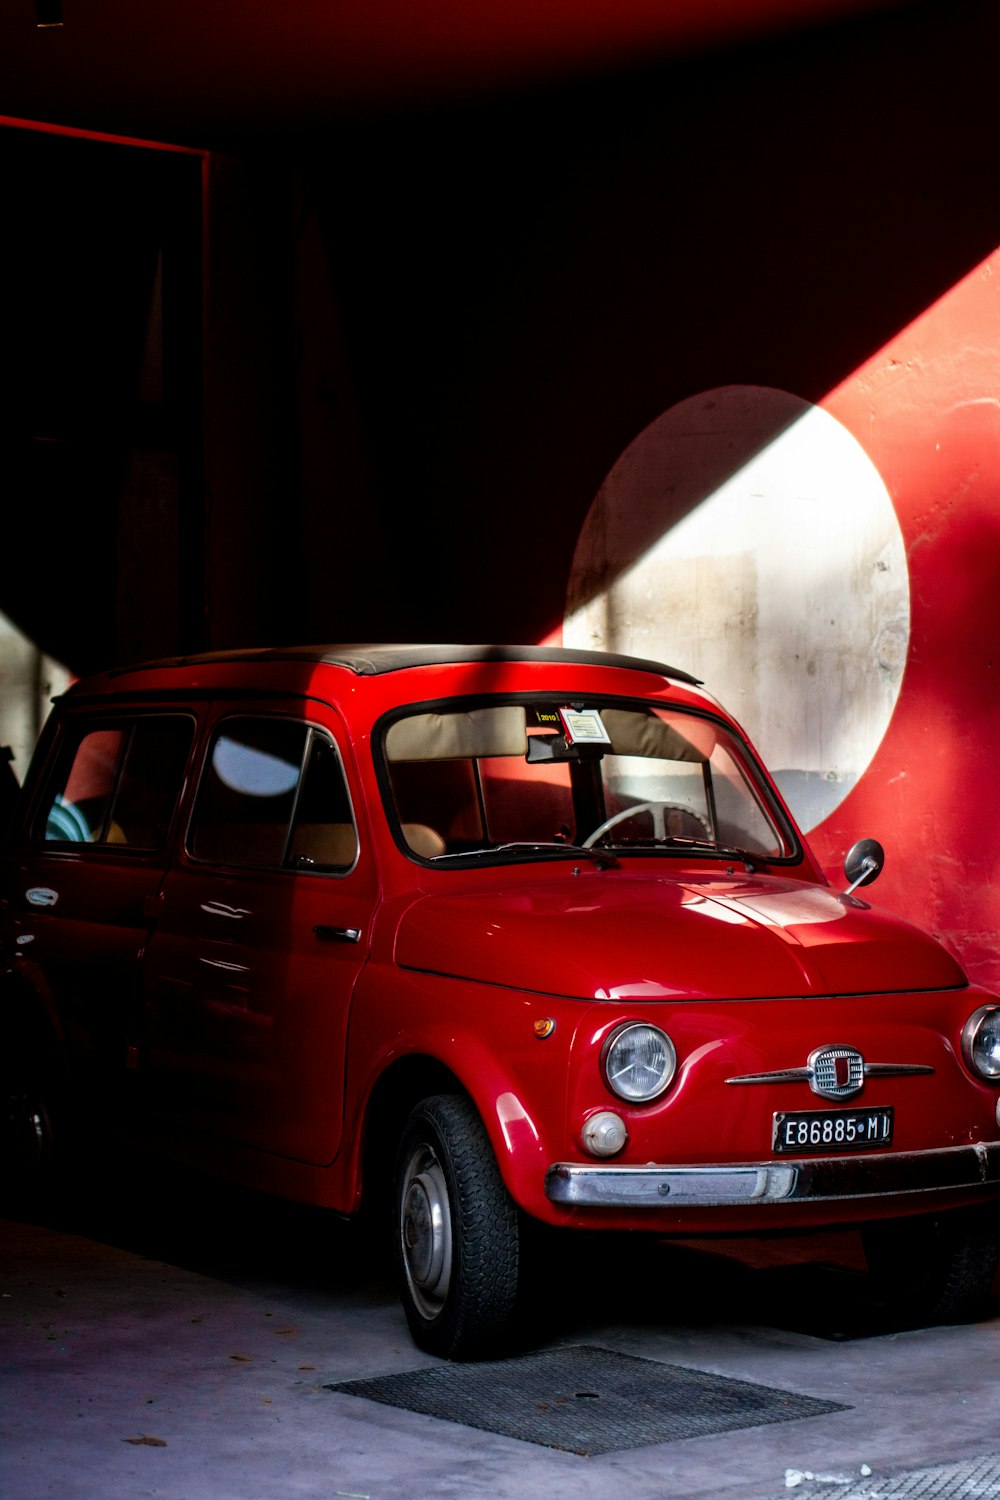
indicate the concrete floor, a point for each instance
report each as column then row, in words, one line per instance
column 163, row 1336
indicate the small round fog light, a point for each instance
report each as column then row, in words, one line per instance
column 604, row 1134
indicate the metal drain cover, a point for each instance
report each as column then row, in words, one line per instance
column 976, row 1479
column 586, row 1400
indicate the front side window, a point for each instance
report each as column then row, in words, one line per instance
column 116, row 783
column 273, row 795
column 630, row 777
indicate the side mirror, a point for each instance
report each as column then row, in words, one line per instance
column 863, row 863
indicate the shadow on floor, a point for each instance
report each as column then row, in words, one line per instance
column 815, row 1286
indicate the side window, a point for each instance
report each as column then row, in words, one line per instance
column 273, row 794
column 323, row 834
column 116, row 783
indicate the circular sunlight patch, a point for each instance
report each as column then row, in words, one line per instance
column 747, row 537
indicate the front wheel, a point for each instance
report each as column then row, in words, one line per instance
column 457, row 1232
column 939, row 1269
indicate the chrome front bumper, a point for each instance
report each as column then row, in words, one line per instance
column 799, row 1180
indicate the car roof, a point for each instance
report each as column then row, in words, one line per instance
column 373, row 660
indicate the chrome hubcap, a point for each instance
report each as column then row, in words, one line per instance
column 425, row 1231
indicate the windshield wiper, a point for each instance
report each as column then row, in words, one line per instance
column 677, row 841
column 539, row 846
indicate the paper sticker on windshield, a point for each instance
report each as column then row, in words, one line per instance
column 582, row 726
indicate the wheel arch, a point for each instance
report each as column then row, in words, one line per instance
column 515, row 1136
column 398, row 1089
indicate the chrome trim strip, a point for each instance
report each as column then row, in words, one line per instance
column 806, row 1179
column 782, row 1075
column 804, row 1075
column 895, row 1070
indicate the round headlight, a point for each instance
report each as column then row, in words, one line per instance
column 639, row 1062
column 981, row 1042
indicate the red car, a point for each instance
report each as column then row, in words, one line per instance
column 512, row 933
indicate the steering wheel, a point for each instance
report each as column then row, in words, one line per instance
column 658, row 811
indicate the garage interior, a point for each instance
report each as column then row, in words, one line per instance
column 336, row 324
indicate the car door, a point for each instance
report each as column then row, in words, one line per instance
column 87, row 869
column 260, row 934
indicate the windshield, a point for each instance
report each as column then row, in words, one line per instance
column 543, row 778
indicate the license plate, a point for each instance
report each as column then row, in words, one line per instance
column 832, row 1130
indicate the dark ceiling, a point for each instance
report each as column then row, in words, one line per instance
column 208, row 72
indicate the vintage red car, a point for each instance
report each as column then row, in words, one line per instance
column 513, row 933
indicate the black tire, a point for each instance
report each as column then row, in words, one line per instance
column 935, row 1270
column 31, row 1097
column 457, row 1233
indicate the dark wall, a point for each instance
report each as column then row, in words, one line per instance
column 429, row 336
column 100, row 391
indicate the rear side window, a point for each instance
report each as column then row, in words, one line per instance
column 116, row 783
column 273, row 794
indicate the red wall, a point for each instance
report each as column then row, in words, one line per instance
column 926, row 408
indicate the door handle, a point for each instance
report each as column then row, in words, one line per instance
column 338, row 934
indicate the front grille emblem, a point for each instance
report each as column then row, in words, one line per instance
column 836, row 1072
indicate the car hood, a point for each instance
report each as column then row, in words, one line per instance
column 611, row 935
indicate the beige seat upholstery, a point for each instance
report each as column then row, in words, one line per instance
column 328, row 844
column 424, row 840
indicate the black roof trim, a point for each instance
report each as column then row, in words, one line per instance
column 372, row 660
